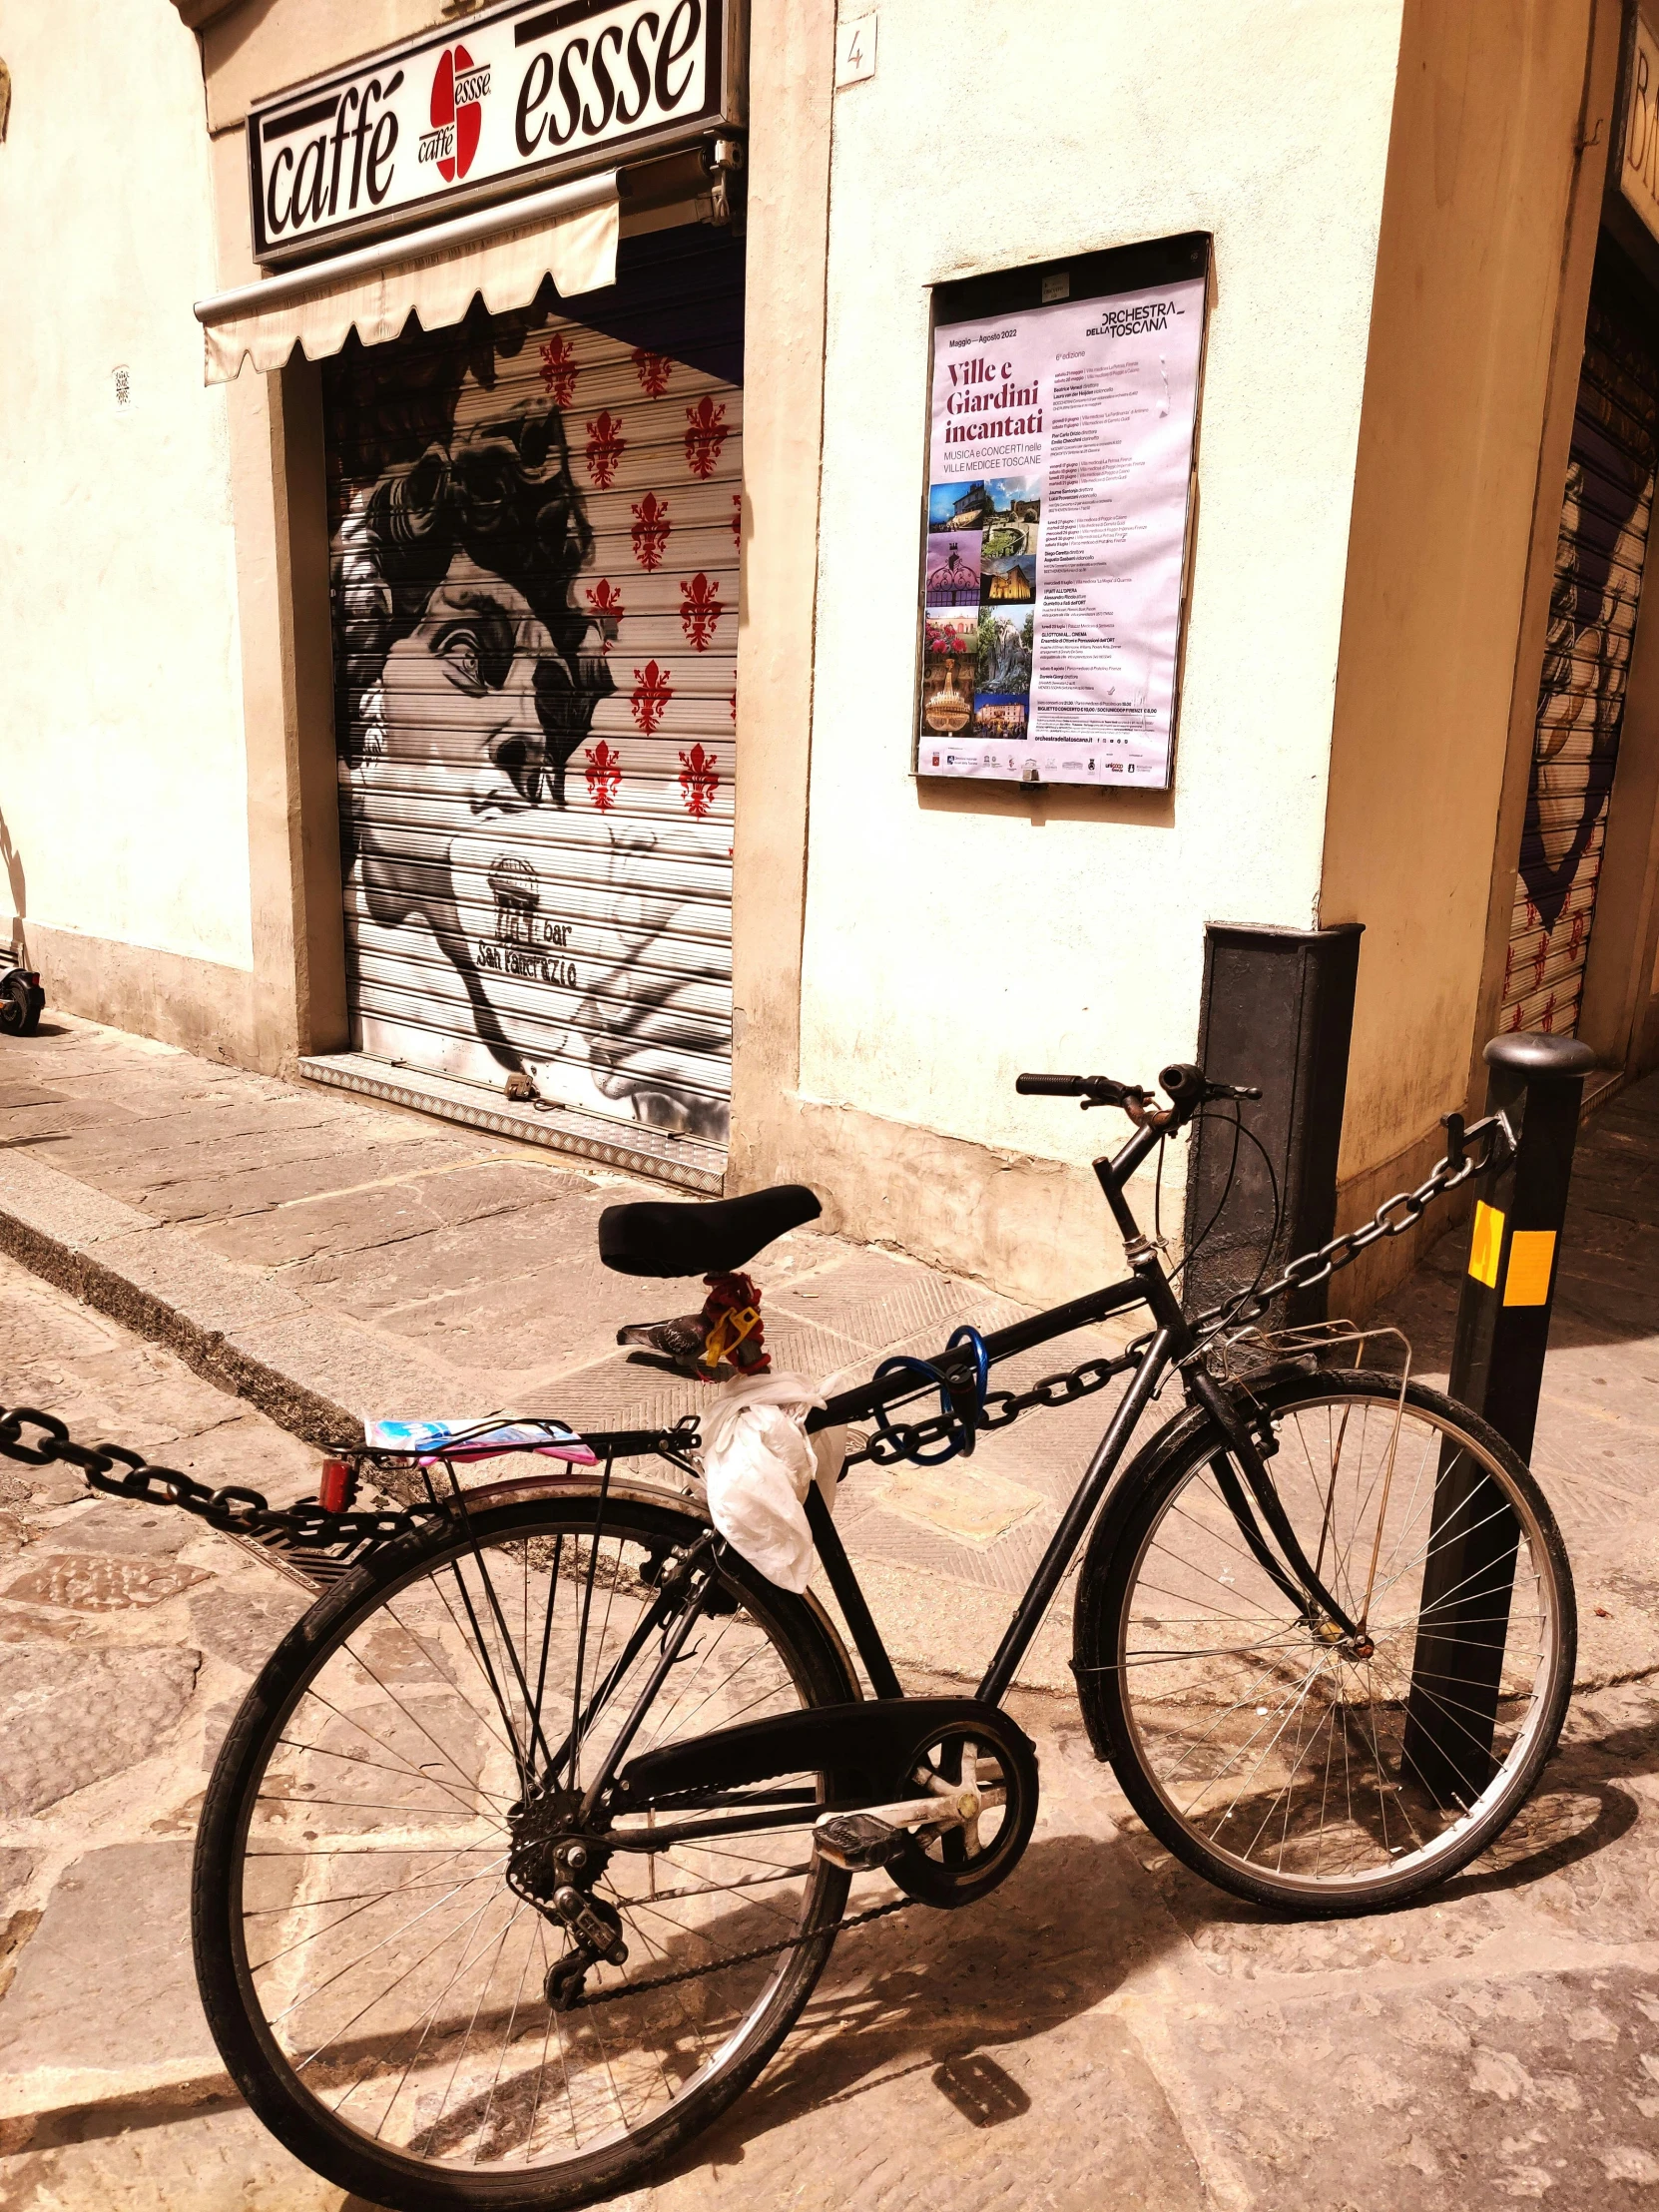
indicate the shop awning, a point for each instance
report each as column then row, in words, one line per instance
column 568, row 232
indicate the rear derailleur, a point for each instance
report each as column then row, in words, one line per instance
column 555, row 1872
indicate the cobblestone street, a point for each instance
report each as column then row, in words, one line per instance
column 1107, row 2028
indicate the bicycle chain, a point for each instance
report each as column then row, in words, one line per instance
column 745, row 1958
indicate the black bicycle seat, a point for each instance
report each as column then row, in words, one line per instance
column 663, row 1239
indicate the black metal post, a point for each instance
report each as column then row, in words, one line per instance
column 1497, row 1366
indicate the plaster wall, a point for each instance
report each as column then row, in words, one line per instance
column 1476, row 333
column 122, row 782
column 259, row 47
column 954, row 935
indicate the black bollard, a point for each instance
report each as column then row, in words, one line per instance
column 1497, row 1366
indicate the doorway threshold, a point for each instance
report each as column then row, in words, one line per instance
column 628, row 1146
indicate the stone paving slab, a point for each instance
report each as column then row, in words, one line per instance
column 1108, row 2030
column 329, row 1257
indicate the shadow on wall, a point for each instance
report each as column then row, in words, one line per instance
column 13, row 860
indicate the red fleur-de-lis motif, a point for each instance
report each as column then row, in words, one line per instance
column 653, row 371
column 1578, row 921
column 650, row 530
column 706, row 433
column 733, row 700
column 700, row 608
column 606, row 447
column 606, row 602
column 604, row 773
column 1546, row 1020
column 737, row 519
column 558, row 369
column 1540, row 960
column 699, row 780
column 651, row 694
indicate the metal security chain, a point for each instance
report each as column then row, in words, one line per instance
column 1392, row 1218
column 1000, row 1408
column 350, row 1537
column 237, row 1511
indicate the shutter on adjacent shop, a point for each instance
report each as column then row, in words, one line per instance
column 535, row 533
column 1598, row 580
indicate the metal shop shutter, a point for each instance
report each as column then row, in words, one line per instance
column 535, row 528
column 1598, row 580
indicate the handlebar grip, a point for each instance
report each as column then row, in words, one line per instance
column 1049, row 1086
column 1183, row 1083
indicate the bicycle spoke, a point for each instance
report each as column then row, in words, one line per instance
column 400, row 1971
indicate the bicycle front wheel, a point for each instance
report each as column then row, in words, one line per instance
column 1292, row 1762
column 375, row 1929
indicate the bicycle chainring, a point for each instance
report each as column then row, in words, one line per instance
column 956, row 1866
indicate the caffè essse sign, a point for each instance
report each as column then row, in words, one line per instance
column 516, row 96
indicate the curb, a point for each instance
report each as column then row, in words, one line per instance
column 208, row 1353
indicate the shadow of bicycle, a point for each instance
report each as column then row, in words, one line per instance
column 937, row 1993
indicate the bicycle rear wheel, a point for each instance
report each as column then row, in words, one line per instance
column 378, row 1987
column 1288, row 1762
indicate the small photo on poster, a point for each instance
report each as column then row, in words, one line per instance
column 1010, row 581
column 952, row 568
column 1004, row 658
column 958, row 506
column 949, row 658
column 1001, row 718
column 1015, row 509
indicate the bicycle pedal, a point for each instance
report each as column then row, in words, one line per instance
column 858, row 1842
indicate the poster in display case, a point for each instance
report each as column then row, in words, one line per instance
column 1062, row 455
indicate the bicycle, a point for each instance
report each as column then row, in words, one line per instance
column 528, row 1844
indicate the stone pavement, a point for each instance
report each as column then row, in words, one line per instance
column 327, row 1258
column 1107, row 2030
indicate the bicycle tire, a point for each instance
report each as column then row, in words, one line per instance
column 814, row 1669
column 1197, row 1717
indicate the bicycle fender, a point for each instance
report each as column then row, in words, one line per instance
column 584, row 1482
column 1174, row 1439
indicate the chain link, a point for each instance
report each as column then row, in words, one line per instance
column 234, row 1510
column 350, row 1537
column 1392, row 1218
column 1001, row 1408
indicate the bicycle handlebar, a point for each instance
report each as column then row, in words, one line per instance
column 1186, row 1086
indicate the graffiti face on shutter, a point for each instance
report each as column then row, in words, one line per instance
column 1600, row 559
column 534, row 596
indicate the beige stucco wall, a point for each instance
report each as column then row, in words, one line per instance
column 953, row 937
column 121, row 780
column 1475, row 338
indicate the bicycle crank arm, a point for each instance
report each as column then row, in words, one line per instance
column 860, row 1840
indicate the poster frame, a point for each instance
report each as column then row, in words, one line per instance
column 1097, row 274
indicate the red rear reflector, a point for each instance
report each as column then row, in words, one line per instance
column 334, row 1491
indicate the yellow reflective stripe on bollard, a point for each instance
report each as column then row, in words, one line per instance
column 1531, row 1254
column 1486, row 1244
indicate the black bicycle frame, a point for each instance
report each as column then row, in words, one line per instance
column 1172, row 1344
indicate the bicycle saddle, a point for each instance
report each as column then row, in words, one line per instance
column 654, row 1238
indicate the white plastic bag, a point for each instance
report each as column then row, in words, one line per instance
column 758, row 1462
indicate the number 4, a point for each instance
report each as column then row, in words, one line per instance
column 856, row 51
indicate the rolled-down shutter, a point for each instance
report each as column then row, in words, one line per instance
column 1598, row 580
column 535, row 536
